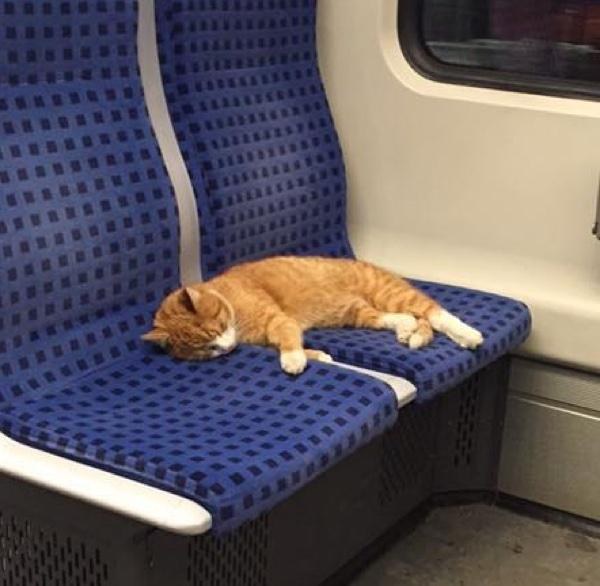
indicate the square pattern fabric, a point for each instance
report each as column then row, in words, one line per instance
column 235, row 434
column 442, row 365
column 89, row 244
column 252, row 119
column 251, row 115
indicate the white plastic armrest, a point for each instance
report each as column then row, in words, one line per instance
column 404, row 390
column 127, row 497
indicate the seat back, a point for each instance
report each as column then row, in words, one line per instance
column 88, row 226
column 251, row 116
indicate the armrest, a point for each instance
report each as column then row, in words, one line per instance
column 129, row 498
column 404, row 390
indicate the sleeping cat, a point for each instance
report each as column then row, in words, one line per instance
column 272, row 302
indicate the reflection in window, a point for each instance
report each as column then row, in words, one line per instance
column 552, row 38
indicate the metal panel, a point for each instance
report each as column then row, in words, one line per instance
column 469, row 432
column 555, row 384
column 47, row 539
column 552, row 431
column 32, row 554
column 550, row 457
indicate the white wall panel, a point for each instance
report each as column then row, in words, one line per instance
column 490, row 189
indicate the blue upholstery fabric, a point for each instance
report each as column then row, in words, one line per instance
column 252, row 119
column 88, row 247
column 235, row 434
column 250, row 112
column 434, row 369
column 88, row 225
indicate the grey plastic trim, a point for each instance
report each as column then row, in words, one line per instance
column 555, row 384
column 549, row 455
column 404, row 390
column 596, row 229
column 189, row 250
column 550, row 437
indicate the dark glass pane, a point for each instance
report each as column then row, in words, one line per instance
column 550, row 38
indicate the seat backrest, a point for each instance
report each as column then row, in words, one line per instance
column 88, row 225
column 251, row 116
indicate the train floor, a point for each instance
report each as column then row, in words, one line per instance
column 481, row 545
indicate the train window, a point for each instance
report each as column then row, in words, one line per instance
column 544, row 46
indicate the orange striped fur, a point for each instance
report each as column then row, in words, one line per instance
column 273, row 301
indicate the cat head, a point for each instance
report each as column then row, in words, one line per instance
column 194, row 323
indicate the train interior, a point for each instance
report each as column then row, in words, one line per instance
column 153, row 147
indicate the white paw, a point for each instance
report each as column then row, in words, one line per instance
column 417, row 341
column 458, row 331
column 293, row 362
column 403, row 324
column 322, row 357
column 468, row 337
column 404, row 335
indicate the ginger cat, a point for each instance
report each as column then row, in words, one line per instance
column 272, row 302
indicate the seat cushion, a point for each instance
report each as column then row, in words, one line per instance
column 442, row 365
column 236, row 435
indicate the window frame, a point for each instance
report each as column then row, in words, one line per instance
column 415, row 51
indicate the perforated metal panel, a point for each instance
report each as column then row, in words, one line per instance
column 34, row 555
column 469, row 432
column 407, row 453
column 238, row 559
column 466, row 425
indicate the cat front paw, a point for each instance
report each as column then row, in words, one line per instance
column 293, row 362
column 318, row 356
column 418, row 341
column 324, row 357
column 403, row 324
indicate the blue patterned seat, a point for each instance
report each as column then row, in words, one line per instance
column 88, row 247
column 442, row 365
column 252, row 118
column 236, row 435
column 249, row 110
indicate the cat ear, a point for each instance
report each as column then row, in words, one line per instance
column 158, row 337
column 191, row 299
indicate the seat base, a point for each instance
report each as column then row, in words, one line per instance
column 447, row 445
